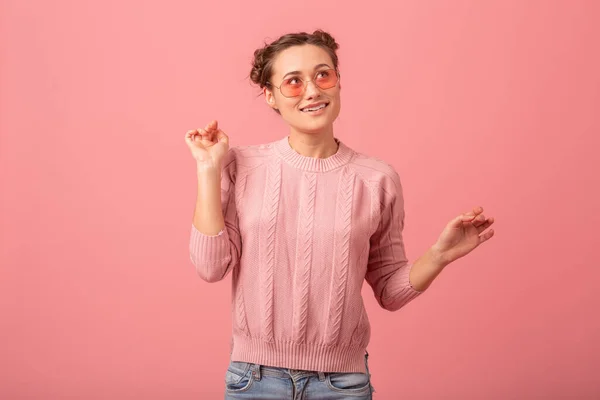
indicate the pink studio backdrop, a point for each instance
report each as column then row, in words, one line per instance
column 491, row 103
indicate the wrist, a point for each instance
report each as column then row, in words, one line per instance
column 438, row 257
column 208, row 167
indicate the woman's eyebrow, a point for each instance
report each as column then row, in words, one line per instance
column 298, row 72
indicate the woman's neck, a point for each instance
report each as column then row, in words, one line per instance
column 317, row 145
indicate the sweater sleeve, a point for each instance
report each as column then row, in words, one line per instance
column 388, row 268
column 215, row 255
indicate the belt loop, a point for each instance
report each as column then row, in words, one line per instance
column 256, row 371
column 321, row 376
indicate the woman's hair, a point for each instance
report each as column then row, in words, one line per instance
column 262, row 65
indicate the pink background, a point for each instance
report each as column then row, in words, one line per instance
column 492, row 103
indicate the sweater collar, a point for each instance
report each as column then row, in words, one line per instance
column 314, row 164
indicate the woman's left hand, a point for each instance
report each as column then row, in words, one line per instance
column 463, row 234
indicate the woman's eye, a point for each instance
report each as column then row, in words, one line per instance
column 293, row 81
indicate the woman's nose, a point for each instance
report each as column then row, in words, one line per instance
column 311, row 88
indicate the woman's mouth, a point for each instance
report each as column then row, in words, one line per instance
column 316, row 110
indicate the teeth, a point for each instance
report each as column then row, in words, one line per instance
column 314, row 109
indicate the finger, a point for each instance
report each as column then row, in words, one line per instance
column 222, row 137
column 474, row 211
column 190, row 140
column 478, row 220
column 212, row 125
column 484, row 226
column 211, row 134
column 203, row 134
column 482, row 219
column 190, row 136
column 191, row 133
column 460, row 219
column 486, row 236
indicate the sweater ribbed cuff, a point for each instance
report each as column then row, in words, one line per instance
column 406, row 277
column 401, row 291
column 208, row 249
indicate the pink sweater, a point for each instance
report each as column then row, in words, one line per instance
column 301, row 234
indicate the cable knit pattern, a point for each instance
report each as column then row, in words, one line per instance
column 304, row 255
column 239, row 192
column 341, row 247
column 239, row 305
column 301, row 236
column 267, row 236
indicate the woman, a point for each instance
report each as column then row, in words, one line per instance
column 300, row 223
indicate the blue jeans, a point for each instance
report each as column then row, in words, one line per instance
column 253, row 381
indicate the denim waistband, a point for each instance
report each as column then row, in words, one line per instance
column 284, row 373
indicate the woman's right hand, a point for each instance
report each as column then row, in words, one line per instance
column 209, row 145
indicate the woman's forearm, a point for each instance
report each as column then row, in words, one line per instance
column 426, row 268
column 208, row 214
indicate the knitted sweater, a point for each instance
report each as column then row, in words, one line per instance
column 301, row 234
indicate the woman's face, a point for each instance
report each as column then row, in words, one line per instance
column 310, row 62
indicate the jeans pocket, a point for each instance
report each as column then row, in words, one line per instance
column 238, row 377
column 349, row 382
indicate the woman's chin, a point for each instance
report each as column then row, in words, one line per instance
column 313, row 128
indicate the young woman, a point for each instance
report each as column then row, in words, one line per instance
column 300, row 223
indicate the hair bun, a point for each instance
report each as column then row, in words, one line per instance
column 327, row 39
column 258, row 66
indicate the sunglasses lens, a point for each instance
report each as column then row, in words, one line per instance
column 294, row 86
column 326, row 79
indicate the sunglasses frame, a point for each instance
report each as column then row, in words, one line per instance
column 337, row 74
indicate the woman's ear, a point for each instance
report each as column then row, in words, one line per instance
column 270, row 98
